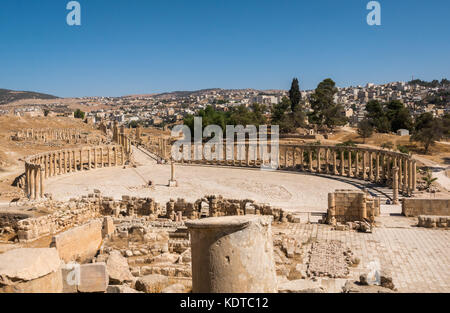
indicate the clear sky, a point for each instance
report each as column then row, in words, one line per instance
column 144, row 46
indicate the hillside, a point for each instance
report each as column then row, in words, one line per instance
column 7, row 96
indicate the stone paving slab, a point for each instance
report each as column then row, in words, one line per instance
column 418, row 258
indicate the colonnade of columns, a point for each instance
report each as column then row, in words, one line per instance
column 50, row 134
column 42, row 166
column 124, row 141
column 377, row 166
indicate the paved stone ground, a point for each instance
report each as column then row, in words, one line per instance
column 418, row 258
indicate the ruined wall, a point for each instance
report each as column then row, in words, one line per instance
column 351, row 205
column 79, row 244
column 79, row 211
column 33, row 228
column 433, row 221
column 416, row 207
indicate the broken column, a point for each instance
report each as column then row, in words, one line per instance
column 232, row 254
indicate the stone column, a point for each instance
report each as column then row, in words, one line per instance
column 400, row 173
column 66, row 163
column 405, row 177
column 364, row 165
column 327, row 158
column 310, row 160
column 286, row 162
column 109, row 156
column 410, row 182
column 294, row 160
column 45, row 165
column 27, row 179
column 371, row 176
column 349, row 163
column 101, row 157
column 232, row 254
column 362, row 204
column 60, row 163
column 35, row 174
column 95, row 158
column 342, row 163
column 81, row 159
column 334, row 162
column 89, row 158
column 357, row 164
column 378, row 167
column 318, row 161
column 41, row 181
column 302, row 162
column 395, row 185
column 75, row 168
column 414, row 174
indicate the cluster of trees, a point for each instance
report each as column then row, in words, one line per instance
column 385, row 118
column 392, row 116
column 290, row 114
column 240, row 115
column 433, row 84
column 429, row 129
column 388, row 117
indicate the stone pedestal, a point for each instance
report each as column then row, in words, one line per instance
column 232, row 254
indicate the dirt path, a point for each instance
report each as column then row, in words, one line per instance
column 438, row 171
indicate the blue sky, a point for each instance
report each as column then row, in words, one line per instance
column 143, row 46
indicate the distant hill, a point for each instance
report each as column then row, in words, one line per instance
column 7, row 96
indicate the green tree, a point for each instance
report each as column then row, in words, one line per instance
column 377, row 117
column 398, row 115
column 429, row 134
column 295, row 96
column 365, row 129
column 325, row 111
column 79, row 114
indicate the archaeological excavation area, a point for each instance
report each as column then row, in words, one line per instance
column 120, row 216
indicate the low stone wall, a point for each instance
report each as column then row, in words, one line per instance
column 433, row 221
column 79, row 211
column 351, row 205
column 79, row 244
column 416, row 207
column 33, row 228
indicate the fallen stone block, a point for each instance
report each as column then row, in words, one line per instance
column 153, row 283
column 30, row 271
column 93, row 278
column 118, row 269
